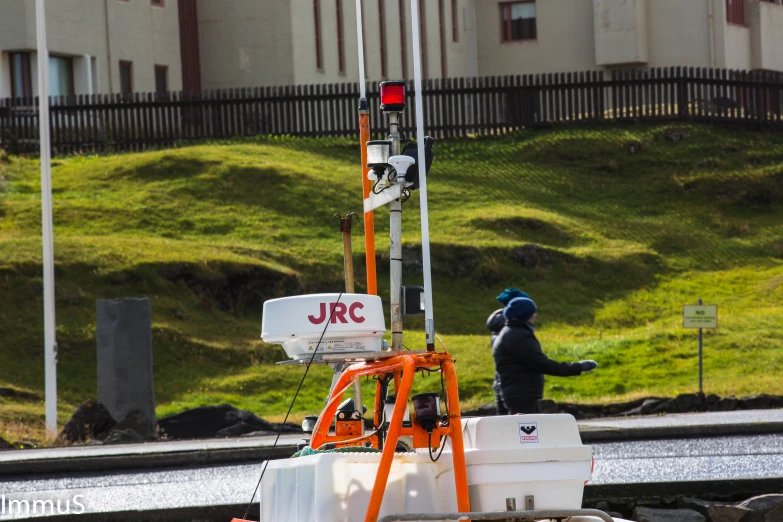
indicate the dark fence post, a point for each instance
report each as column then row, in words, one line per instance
column 682, row 95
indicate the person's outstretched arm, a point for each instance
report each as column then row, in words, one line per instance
column 536, row 359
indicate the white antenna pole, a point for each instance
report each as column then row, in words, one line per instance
column 50, row 340
column 360, row 39
column 429, row 320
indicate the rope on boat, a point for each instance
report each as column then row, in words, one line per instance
column 293, row 401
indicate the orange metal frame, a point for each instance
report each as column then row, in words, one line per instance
column 404, row 367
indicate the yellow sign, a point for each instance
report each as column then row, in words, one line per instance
column 700, row 316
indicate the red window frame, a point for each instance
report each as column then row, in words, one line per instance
column 319, row 55
column 454, row 22
column 124, row 64
column 735, row 12
column 340, row 37
column 506, row 30
column 382, row 35
column 27, row 79
column 403, row 41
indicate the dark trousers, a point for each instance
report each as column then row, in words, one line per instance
column 516, row 405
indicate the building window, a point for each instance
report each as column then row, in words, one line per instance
column 518, row 21
column 442, row 34
column 60, row 76
column 319, row 56
column 161, row 79
column 382, row 34
column 21, row 78
column 454, row 22
column 423, row 38
column 403, row 41
column 340, row 37
column 126, row 77
column 735, row 12
column 157, row 3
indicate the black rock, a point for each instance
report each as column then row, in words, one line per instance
column 91, row 421
column 756, row 402
column 727, row 404
column 137, row 422
column 697, row 504
column 665, row 407
column 764, row 503
column 485, row 410
column 238, row 430
column 126, row 436
column 206, row 421
column 689, row 402
column 711, row 399
column 5, row 445
column 643, row 409
column 725, row 513
column 262, row 434
column 642, row 514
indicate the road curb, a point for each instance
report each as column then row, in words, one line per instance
column 144, row 461
column 171, row 459
column 742, row 488
column 607, row 434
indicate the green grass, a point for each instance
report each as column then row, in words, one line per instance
column 209, row 232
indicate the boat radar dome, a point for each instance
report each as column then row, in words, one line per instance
column 355, row 324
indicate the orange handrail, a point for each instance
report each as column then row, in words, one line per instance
column 403, row 366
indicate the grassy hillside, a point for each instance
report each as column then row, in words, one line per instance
column 610, row 230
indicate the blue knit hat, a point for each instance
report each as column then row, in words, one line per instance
column 521, row 308
column 510, row 293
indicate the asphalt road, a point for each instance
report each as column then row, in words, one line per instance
column 670, row 461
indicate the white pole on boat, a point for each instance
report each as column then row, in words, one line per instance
column 360, row 39
column 429, row 320
column 50, row 340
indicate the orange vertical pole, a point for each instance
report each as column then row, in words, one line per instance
column 457, row 444
column 369, row 219
column 376, row 497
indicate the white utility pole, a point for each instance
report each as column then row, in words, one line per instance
column 50, row 340
column 429, row 320
column 360, row 39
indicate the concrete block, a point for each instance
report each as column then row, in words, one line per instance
column 124, row 339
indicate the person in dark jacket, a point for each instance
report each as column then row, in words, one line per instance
column 495, row 324
column 520, row 364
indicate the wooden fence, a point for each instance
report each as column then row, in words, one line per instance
column 453, row 108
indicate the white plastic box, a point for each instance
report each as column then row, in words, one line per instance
column 348, row 323
column 550, row 463
column 520, row 455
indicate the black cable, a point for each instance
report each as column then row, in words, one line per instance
column 429, row 447
column 443, row 389
column 378, row 191
column 282, row 426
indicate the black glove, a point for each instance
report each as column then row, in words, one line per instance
column 588, row 366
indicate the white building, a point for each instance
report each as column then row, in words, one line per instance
column 102, row 46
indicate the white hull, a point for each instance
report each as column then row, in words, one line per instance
column 549, row 464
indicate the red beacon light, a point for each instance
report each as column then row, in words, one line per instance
column 393, row 96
